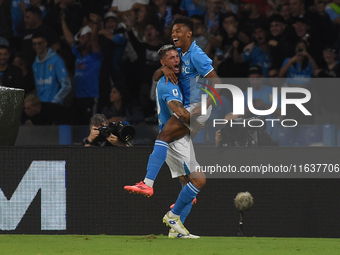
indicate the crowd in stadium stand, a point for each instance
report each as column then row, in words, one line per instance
column 85, row 57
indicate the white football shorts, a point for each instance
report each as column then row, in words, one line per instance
column 181, row 157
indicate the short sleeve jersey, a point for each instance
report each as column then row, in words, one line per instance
column 194, row 64
column 164, row 94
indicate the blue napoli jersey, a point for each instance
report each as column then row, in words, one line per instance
column 297, row 75
column 191, row 8
column 194, row 64
column 258, row 57
column 164, row 94
column 86, row 75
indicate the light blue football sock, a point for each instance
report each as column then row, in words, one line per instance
column 156, row 159
column 188, row 193
column 185, row 212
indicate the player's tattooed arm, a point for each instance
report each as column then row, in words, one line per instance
column 180, row 111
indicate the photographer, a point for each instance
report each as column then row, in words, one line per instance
column 95, row 138
column 245, row 136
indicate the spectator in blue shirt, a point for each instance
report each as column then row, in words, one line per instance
column 112, row 42
column 51, row 78
column 257, row 53
column 299, row 68
column 88, row 61
column 190, row 7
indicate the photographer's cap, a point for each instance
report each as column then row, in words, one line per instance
column 255, row 70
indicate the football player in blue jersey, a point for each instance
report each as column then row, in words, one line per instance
column 194, row 64
column 180, row 155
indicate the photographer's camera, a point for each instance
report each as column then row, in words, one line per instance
column 125, row 133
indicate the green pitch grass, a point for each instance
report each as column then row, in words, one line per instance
column 161, row 245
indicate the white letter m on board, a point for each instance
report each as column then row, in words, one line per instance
column 47, row 176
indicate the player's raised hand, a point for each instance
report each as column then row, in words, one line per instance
column 169, row 75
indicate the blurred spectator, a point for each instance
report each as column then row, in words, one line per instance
column 211, row 19
column 328, row 92
column 299, row 68
column 192, row 7
column 200, row 34
column 331, row 68
column 230, row 6
column 223, row 46
column 313, row 41
column 74, row 17
column 36, row 3
column 298, row 9
column 5, row 19
column 251, row 17
column 112, row 42
column 88, row 61
column 51, row 78
column 116, row 111
column 256, row 53
column 148, row 63
column 10, row 75
column 285, row 13
column 333, row 10
column 119, row 109
column 327, row 25
column 122, row 7
column 18, row 26
column 126, row 5
column 281, row 40
column 272, row 7
column 41, row 113
column 164, row 12
column 28, row 79
column 95, row 139
column 137, row 20
column 145, row 16
column 33, row 24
